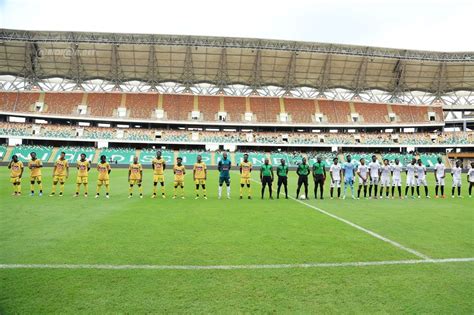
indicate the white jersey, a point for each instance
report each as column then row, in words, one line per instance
column 335, row 169
column 397, row 171
column 471, row 175
column 420, row 171
column 457, row 173
column 363, row 170
column 410, row 170
column 439, row 169
column 374, row 169
column 386, row 169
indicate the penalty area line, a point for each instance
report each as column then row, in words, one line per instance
column 234, row 267
column 372, row 233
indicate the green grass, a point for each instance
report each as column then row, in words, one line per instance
column 66, row 230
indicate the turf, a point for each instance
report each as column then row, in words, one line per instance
column 66, row 230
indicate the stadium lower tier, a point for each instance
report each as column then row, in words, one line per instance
column 78, row 133
column 124, row 156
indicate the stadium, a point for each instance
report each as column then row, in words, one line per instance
column 387, row 135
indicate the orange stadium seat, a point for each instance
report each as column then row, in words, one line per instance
column 301, row 110
column 235, row 107
column 209, row 106
column 403, row 113
column 372, row 113
column 177, row 107
column 142, row 105
column 337, row 112
column 265, row 108
column 103, row 104
column 62, row 103
column 19, row 101
column 419, row 113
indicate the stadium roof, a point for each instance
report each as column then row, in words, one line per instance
column 222, row 61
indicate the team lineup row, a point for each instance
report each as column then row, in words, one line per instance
column 370, row 177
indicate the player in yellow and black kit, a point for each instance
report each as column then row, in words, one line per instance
column 35, row 166
column 60, row 174
column 158, row 164
column 135, row 175
column 104, row 176
column 16, row 171
column 200, row 176
column 83, row 167
column 179, row 172
column 245, row 173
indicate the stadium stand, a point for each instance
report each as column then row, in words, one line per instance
column 178, row 107
column 62, row 103
column 190, row 156
column 147, row 155
column 265, row 108
column 42, row 152
column 141, row 105
column 300, row 110
column 375, row 114
column 119, row 155
column 73, row 154
column 19, row 101
column 3, row 151
column 209, row 107
column 235, row 107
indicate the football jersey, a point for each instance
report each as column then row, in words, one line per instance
column 103, row 169
column 135, row 171
column 335, row 169
column 348, row 170
column 82, row 168
column 471, row 175
column 363, row 170
column 158, row 165
column 397, row 171
column 374, row 169
column 457, row 172
column 16, row 168
column 200, row 170
column 410, row 170
column 61, row 166
column 439, row 168
column 246, row 168
column 386, row 169
column 178, row 172
column 420, row 171
column 35, row 167
column 224, row 168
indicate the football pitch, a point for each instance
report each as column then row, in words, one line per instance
column 73, row 255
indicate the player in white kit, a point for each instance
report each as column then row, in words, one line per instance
column 411, row 178
column 456, row 172
column 335, row 173
column 363, row 174
column 397, row 178
column 385, row 172
column 440, row 174
column 374, row 173
column 470, row 179
column 421, row 178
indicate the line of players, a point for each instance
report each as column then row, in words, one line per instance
column 369, row 176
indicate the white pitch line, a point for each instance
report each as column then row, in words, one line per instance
column 234, row 267
column 372, row 233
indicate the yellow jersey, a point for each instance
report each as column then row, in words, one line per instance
column 200, row 170
column 179, row 172
column 246, row 168
column 158, row 165
column 135, row 171
column 103, row 169
column 15, row 169
column 83, row 168
column 61, row 166
column 34, row 166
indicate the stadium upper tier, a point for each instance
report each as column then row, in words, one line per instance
column 93, row 134
column 218, row 109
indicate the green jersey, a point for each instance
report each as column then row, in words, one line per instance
column 303, row 169
column 266, row 170
column 282, row 170
column 318, row 168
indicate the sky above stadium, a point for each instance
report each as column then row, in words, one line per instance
column 439, row 25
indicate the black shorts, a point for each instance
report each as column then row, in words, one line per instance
column 303, row 179
column 319, row 178
column 282, row 180
column 267, row 180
